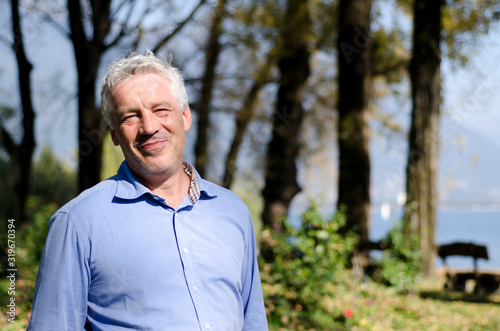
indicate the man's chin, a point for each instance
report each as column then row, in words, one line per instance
column 158, row 168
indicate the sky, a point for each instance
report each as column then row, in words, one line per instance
column 472, row 94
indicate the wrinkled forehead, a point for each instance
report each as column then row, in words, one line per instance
column 149, row 90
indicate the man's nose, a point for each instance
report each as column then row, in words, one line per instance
column 149, row 123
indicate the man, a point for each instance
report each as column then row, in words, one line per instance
column 154, row 247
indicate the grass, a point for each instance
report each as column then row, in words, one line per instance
column 429, row 307
column 366, row 306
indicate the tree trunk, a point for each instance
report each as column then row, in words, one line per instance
column 293, row 63
column 421, row 190
column 91, row 130
column 204, row 104
column 22, row 154
column 354, row 61
column 88, row 52
column 243, row 118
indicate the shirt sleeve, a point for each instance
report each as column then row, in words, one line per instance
column 253, row 300
column 60, row 300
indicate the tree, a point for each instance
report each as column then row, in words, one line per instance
column 423, row 152
column 293, row 64
column 354, row 78
column 21, row 154
column 244, row 116
column 204, row 104
column 88, row 50
column 253, row 42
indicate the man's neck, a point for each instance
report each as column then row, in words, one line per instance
column 171, row 187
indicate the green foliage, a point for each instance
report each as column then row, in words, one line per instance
column 300, row 275
column 29, row 243
column 53, row 181
column 401, row 262
column 36, row 233
column 30, row 239
column 463, row 22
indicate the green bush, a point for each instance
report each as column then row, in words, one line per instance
column 51, row 180
column 29, row 240
column 300, row 275
column 401, row 262
column 36, row 233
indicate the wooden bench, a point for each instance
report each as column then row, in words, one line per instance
column 457, row 280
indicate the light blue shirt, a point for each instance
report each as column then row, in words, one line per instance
column 117, row 257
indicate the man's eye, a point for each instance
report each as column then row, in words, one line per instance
column 161, row 112
column 129, row 118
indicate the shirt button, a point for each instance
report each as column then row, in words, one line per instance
column 207, row 325
column 186, row 250
column 195, row 288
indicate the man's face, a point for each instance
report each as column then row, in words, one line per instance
column 149, row 126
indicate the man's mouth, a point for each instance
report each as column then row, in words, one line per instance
column 151, row 146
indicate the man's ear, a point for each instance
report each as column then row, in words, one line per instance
column 113, row 137
column 186, row 116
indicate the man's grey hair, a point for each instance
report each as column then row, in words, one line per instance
column 136, row 64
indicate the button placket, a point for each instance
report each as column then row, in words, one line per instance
column 190, row 272
column 186, row 257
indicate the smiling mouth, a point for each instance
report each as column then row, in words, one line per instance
column 151, row 146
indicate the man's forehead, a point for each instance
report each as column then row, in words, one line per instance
column 146, row 82
column 151, row 88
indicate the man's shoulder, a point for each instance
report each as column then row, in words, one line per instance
column 102, row 192
column 223, row 194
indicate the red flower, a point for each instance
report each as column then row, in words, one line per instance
column 348, row 313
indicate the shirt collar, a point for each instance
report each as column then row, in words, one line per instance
column 130, row 188
column 194, row 186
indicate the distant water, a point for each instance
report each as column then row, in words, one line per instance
column 480, row 226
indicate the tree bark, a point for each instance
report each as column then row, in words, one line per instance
column 204, row 104
column 354, row 62
column 21, row 154
column 423, row 152
column 293, row 64
column 88, row 53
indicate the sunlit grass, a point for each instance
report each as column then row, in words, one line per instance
column 373, row 306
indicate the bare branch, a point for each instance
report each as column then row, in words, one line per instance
column 58, row 27
column 100, row 20
column 123, row 30
column 178, row 28
column 402, row 64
